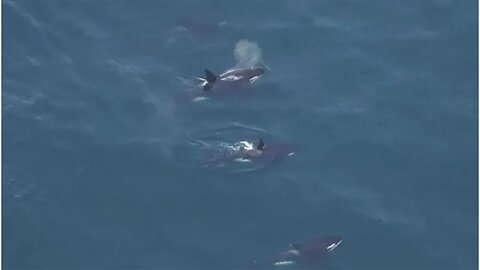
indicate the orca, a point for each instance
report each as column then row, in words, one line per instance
column 304, row 254
column 253, row 151
column 231, row 78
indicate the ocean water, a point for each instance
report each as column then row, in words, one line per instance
column 103, row 158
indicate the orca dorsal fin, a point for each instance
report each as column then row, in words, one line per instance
column 260, row 144
column 211, row 78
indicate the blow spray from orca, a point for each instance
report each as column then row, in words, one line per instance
column 247, row 54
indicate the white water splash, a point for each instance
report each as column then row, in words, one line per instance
column 245, row 145
column 238, row 146
column 247, row 53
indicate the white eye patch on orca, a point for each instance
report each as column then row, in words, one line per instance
column 253, row 79
column 333, row 246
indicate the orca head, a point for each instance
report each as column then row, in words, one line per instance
column 334, row 242
column 257, row 71
column 325, row 244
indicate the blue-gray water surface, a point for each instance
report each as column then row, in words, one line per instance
column 102, row 157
